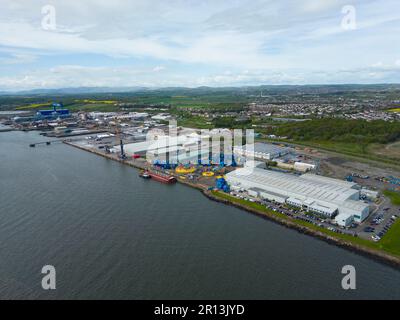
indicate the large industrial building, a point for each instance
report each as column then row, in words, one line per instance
column 184, row 149
column 58, row 111
column 322, row 195
column 261, row 150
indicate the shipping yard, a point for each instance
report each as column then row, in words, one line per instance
column 301, row 184
column 199, row 151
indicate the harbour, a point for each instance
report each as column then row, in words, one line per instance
column 207, row 151
column 330, row 209
column 158, row 241
column 206, row 190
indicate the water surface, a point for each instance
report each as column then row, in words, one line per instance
column 113, row 235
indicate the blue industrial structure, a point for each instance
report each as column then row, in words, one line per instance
column 221, row 184
column 164, row 164
column 57, row 112
column 394, row 180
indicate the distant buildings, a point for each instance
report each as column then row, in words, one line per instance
column 373, row 109
column 162, row 117
column 185, row 149
column 58, row 111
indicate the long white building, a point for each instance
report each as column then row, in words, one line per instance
column 318, row 194
column 261, row 150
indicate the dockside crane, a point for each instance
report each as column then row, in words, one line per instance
column 117, row 132
column 121, row 144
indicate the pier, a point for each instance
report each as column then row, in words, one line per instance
column 47, row 143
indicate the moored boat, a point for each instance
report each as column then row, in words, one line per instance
column 144, row 175
column 160, row 177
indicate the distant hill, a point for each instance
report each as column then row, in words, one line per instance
column 78, row 90
column 255, row 90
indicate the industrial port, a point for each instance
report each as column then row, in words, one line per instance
column 281, row 178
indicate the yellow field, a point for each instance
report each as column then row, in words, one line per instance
column 394, row 110
column 98, row 101
column 33, row 106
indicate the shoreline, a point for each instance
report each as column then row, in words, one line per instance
column 379, row 256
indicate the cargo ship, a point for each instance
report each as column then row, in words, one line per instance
column 160, row 177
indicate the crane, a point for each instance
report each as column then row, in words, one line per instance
column 117, row 132
column 121, row 144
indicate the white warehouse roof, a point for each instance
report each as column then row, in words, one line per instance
column 306, row 186
column 318, row 192
column 266, row 148
column 314, row 177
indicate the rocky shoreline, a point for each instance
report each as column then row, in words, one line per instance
column 379, row 256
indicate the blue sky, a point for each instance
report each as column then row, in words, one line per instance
column 196, row 43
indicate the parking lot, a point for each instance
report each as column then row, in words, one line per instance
column 378, row 223
column 297, row 213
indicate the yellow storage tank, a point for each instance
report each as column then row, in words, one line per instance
column 185, row 170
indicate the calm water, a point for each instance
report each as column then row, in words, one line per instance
column 113, row 235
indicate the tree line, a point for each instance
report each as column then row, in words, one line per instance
column 340, row 130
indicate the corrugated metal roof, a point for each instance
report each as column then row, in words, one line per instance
column 264, row 148
column 327, row 191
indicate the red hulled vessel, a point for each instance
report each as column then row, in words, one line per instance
column 160, row 177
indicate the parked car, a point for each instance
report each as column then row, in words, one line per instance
column 369, row 229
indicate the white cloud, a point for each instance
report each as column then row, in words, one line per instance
column 18, row 58
column 271, row 40
column 76, row 75
column 158, row 68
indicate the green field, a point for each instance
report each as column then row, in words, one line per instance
column 194, row 122
column 358, row 138
column 391, row 241
column 393, row 196
column 101, row 107
column 74, row 106
column 178, row 103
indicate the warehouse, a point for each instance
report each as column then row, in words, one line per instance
column 272, row 196
column 322, row 195
column 265, row 151
column 183, row 149
column 177, row 154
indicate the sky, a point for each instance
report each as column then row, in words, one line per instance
column 127, row 43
